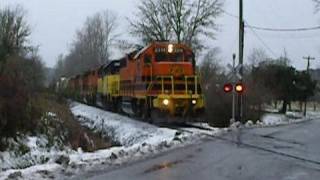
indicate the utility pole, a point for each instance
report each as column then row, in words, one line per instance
column 308, row 67
column 241, row 46
column 233, row 91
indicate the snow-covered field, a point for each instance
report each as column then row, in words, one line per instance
column 137, row 139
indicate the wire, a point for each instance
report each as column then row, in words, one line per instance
column 229, row 14
column 273, row 29
column 284, row 30
column 262, row 41
column 292, row 37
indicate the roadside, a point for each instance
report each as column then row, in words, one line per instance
column 263, row 154
column 276, row 119
column 55, row 135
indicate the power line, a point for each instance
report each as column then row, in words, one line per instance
column 284, row 29
column 262, row 41
column 292, row 37
column 272, row 29
column 229, row 14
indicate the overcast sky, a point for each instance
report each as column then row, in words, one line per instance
column 54, row 23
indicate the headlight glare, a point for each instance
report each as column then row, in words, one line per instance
column 165, row 102
column 194, row 102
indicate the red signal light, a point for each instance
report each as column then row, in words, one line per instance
column 227, row 88
column 239, row 88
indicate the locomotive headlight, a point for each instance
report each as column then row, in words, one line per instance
column 194, row 102
column 165, row 102
column 170, row 48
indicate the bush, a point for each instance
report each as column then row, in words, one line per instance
column 20, row 82
column 219, row 107
column 61, row 128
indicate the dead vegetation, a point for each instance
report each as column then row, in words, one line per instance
column 66, row 125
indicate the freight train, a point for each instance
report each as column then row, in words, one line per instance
column 156, row 83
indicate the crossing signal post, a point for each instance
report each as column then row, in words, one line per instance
column 237, row 88
column 234, row 88
column 237, row 72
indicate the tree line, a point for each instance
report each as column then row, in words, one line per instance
column 91, row 47
column 270, row 83
column 21, row 74
column 182, row 21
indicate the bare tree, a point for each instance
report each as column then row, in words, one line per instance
column 59, row 67
column 97, row 36
column 257, row 56
column 14, row 32
column 317, row 4
column 177, row 20
column 126, row 47
column 210, row 67
column 92, row 45
column 213, row 77
column 150, row 23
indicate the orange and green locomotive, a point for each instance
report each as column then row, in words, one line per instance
column 157, row 83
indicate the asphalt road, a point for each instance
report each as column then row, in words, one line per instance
column 289, row 152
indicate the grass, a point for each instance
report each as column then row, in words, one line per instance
column 75, row 135
column 57, row 123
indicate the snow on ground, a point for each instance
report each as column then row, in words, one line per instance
column 121, row 128
column 274, row 119
column 205, row 129
column 27, row 155
column 136, row 137
column 25, row 150
column 41, row 171
column 137, row 140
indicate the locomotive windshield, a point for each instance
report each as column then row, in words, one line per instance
column 169, row 57
column 174, row 55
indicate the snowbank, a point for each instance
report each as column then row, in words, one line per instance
column 274, row 119
column 120, row 128
column 30, row 157
column 137, row 139
column 26, row 150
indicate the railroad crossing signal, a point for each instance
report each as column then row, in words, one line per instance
column 236, row 75
column 227, row 88
column 239, row 88
column 234, row 71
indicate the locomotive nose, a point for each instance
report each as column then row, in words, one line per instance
column 175, row 69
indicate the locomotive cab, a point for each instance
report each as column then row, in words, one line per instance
column 163, row 76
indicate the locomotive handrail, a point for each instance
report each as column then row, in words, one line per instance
column 195, row 83
column 172, row 84
column 170, row 80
